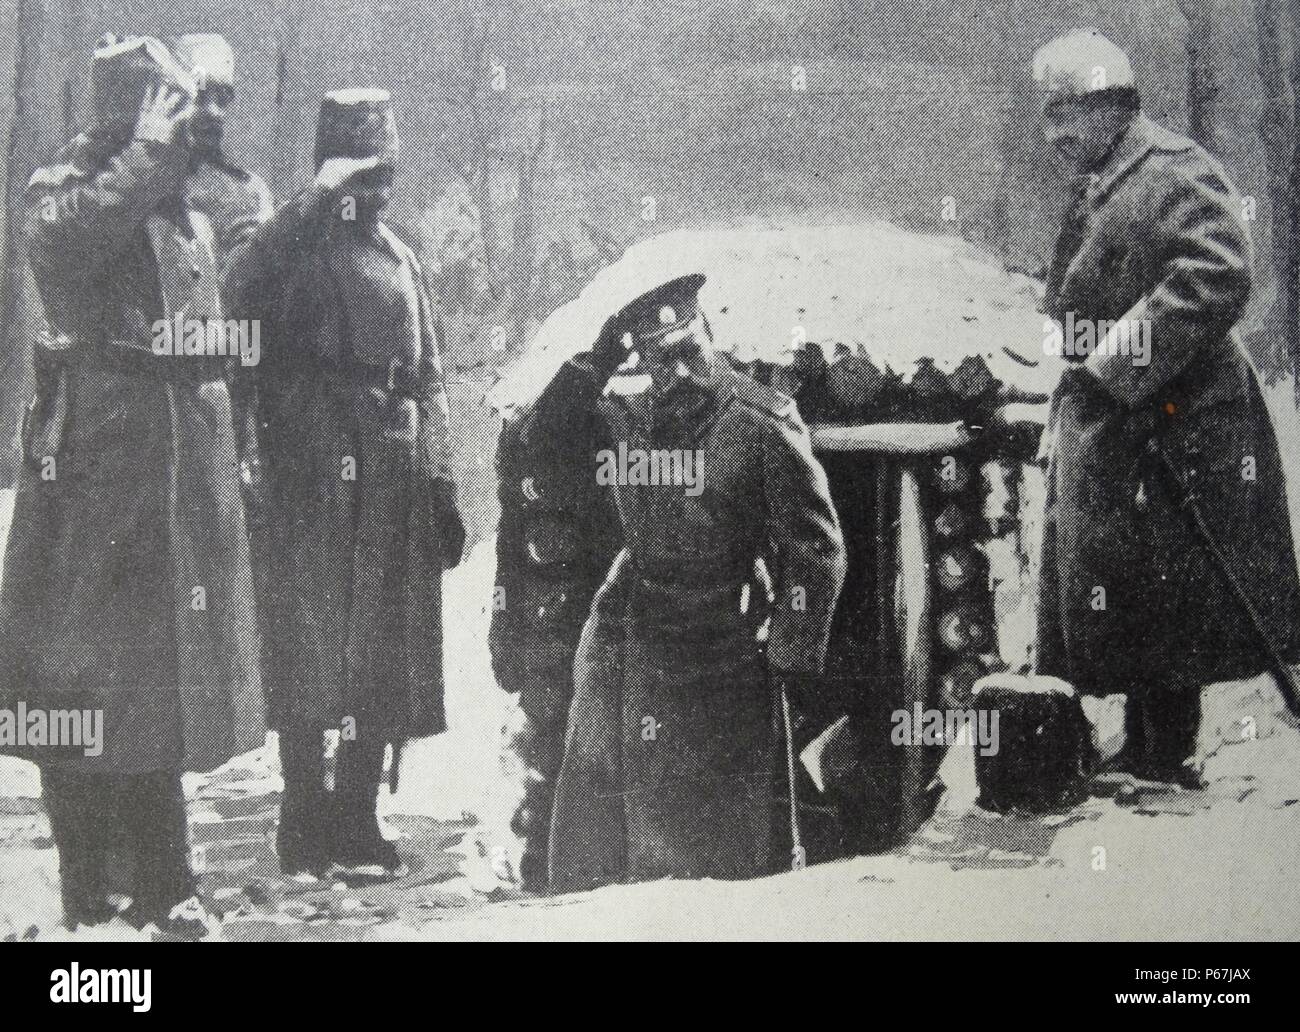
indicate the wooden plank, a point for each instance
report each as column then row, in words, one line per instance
column 914, row 605
column 891, row 438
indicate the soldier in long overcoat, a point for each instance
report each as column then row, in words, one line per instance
column 127, row 587
column 361, row 516
column 721, row 598
column 235, row 202
column 1154, row 264
column 558, row 535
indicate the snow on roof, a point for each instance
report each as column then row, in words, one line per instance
column 894, row 294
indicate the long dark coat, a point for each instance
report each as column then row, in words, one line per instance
column 673, row 743
column 127, row 584
column 357, row 540
column 1160, row 238
column 559, row 534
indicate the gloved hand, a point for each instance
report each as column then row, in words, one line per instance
column 608, row 353
column 164, row 115
column 1079, row 380
column 447, row 523
column 1019, row 430
column 334, row 173
column 249, row 451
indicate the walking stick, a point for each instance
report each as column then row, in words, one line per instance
column 798, row 859
column 394, row 770
column 1186, row 496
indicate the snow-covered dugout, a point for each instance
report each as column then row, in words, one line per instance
column 872, row 288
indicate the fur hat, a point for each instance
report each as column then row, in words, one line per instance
column 208, row 58
column 1080, row 63
column 121, row 72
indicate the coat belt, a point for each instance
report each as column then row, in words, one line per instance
column 127, row 358
column 395, row 378
column 691, row 573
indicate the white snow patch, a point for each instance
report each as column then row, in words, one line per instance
column 463, row 771
column 1280, row 397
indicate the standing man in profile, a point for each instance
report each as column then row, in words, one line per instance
column 234, row 200
column 1157, row 423
column 361, row 508
column 127, row 587
column 720, row 602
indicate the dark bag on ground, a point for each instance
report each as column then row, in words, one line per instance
column 1044, row 750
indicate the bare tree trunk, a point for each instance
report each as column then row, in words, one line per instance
column 75, row 47
column 510, row 277
column 1277, row 133
column 482, row 136
column 523, row 295
column 1289, row 265
column 1202, row 46
column 1009, row 137
column 20, row 146
column 284, row 123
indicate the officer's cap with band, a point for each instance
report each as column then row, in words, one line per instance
column 208, row 58
column 1080, row 63
column 356, row 123
column 659, row 312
